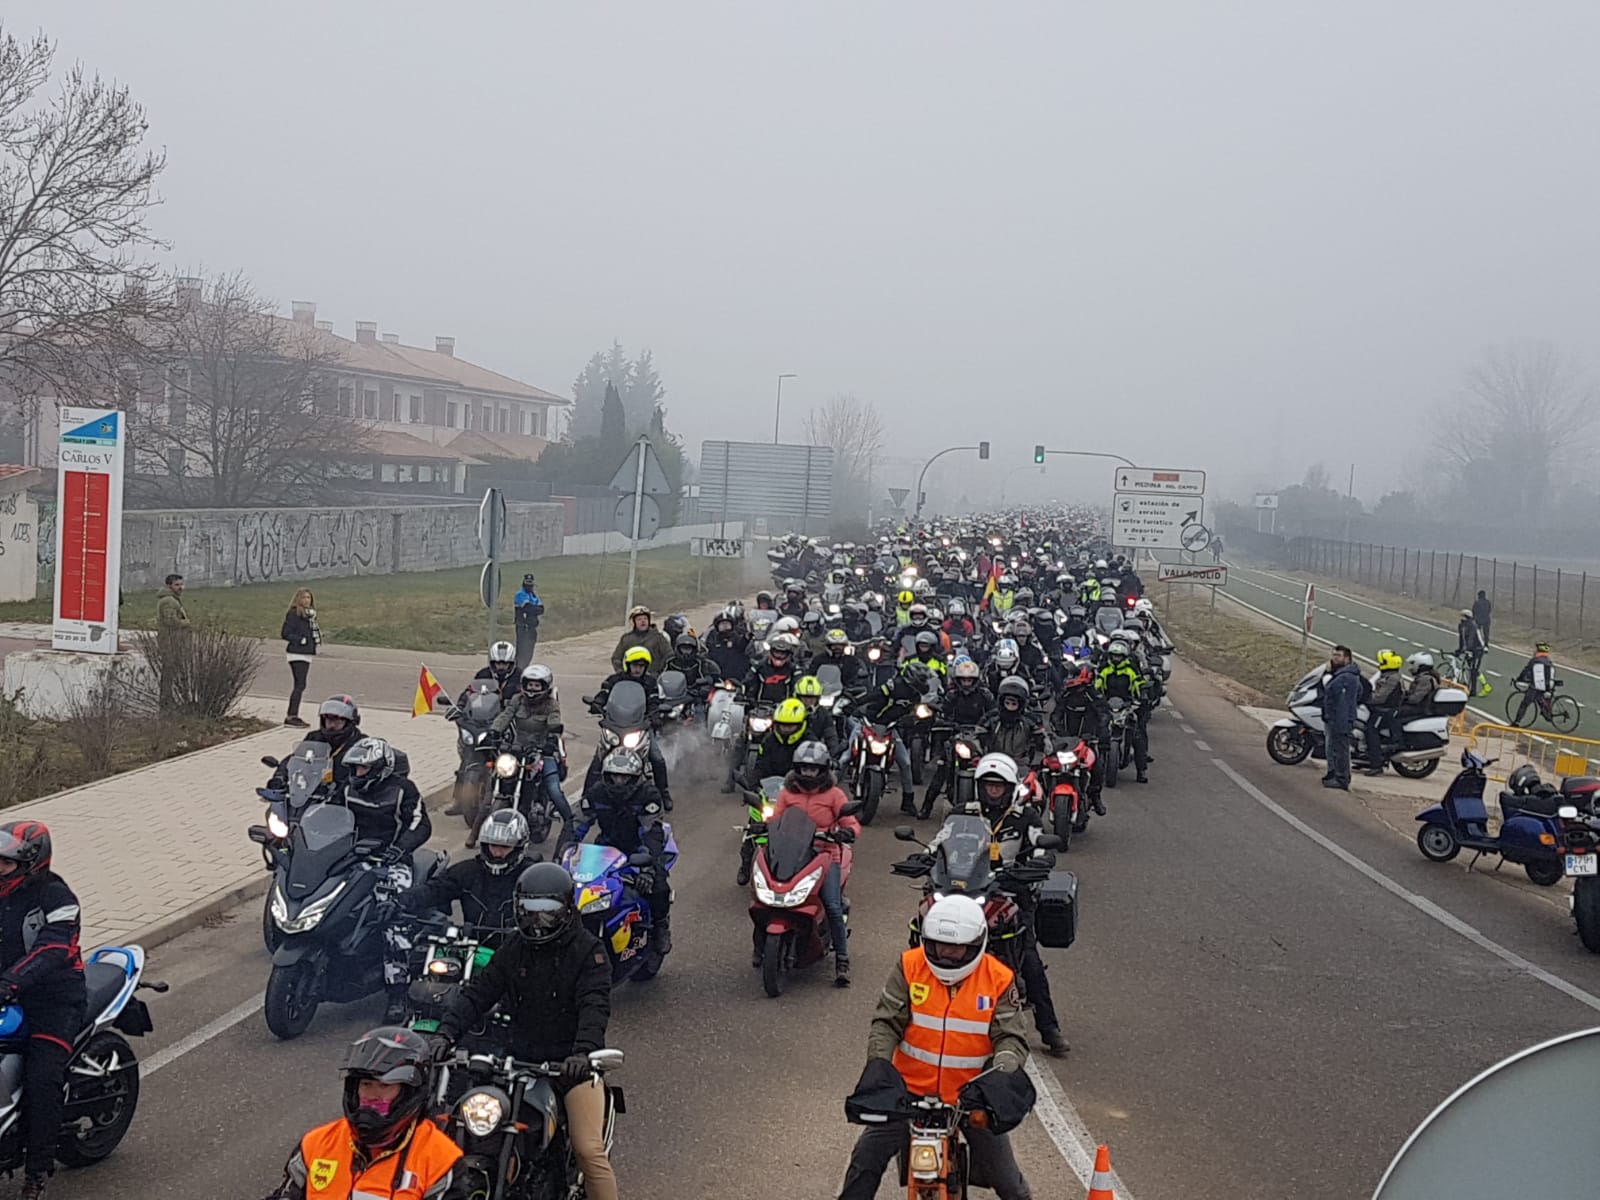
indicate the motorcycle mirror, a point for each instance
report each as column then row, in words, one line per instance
column 1567, row 812
column 605, row 1060
column 850, row 809
column 268, row 761
column 1048, row 841
column 904, row 833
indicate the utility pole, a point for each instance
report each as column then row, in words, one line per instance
column 777, row 412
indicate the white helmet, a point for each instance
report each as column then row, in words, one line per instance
column 1418, row 661
column 999, row 764
column 954, row 934
column 1144, row 608
column 785, row 625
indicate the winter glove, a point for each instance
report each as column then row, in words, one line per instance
column 8, row 993
column 845, row 836
column 440, row 1046
column 576, row 1070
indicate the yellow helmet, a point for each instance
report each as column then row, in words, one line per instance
column 1388, row 660
column 635, row 654
column 906, row 598
column 789, row 721
column 808, row 685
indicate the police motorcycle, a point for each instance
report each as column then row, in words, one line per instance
column 329, row 917
column 310, row 776
column 1423, row 739
column 508, row 1119
column 102, row 1079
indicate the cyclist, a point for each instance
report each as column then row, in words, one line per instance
column 1538, row 677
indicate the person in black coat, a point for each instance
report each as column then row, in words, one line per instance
column 41, row 969
column 301, row 637
column 482, row 885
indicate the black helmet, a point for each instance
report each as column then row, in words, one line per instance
column 543, row 899
column 764, row 600
column 505, row 827
column 1014, row 688
column 926, row 641
column 1523, row 780
column 26, row 843
column 919, row 675
column 388, row 1054
column 371, row 763
column 686, row 644
column 674, row 625
column 342, row 708
column 812, row 766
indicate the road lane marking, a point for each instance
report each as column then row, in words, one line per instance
column 1187, row 728
column 1174, row 713
column 193, row 1041
column 1421, row 903
column 1066, row 1128
column 1199, row 745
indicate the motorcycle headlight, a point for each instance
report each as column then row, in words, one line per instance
column 1069, row 759
column 923, row 712
column 445, row 968
column 827, row 701
column 310, row 916
column 763, row 892
column 802, row 890
column 505, row 765
column 466, row 736
column 766, row 811
column 482, row 1112
column 963, row 750
column 632, row 738
column 760, row 724
column 874, row 654
column 277, row 826
column 878, row 747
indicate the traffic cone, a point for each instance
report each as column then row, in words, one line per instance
column 1100, row 1185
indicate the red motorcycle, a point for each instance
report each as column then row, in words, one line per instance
column 786, row 910
column 1066, row 787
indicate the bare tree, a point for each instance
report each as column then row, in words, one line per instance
column 76, row 186
column 1527, row 414
column 249, row 415
column 853, row 429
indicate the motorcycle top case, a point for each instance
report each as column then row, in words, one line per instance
column 1055, row 919
column 1448, row 702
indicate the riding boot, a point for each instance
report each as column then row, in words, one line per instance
column 664, row 935
column 908, row 803
column 747, row 858
column 841, row 971
column 396, row 1009
column 1054, row 1043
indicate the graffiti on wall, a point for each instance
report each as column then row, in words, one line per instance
column 278, row 545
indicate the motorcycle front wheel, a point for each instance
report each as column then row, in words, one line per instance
column 772, row 965
column 871, row 794
column 1288, row 745
column 293, row 993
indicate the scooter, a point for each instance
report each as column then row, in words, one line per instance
column 310, row 772
column 1423, row 740
column 1529, row 829
column 786, row 895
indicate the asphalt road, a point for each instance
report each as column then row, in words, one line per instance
column 1366, row 627
column 1251, row 1014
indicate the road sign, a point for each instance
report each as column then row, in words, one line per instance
column 627, row 476
column 1311, row 605
column 1157, row 521
column 719, row 548
column 1159, row 481
column 1185, row 573
column 89, row 474
column 897, row 496
column 489, row 588
column 492, row 522
column 649, row 517
column 1266, row 500
column 1194, row 537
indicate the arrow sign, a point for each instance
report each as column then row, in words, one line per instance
column 1190, row 517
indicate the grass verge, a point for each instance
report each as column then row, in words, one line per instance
column 1235, row 646
column 440, row 611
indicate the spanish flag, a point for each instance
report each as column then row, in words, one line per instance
column 993, row 584
column 428, row 690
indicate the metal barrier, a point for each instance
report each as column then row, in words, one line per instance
column 1552, row 754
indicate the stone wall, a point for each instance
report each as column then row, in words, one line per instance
column 228, row 547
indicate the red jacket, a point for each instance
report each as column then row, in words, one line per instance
column 823, row 809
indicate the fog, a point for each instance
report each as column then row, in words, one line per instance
column 1232, row 236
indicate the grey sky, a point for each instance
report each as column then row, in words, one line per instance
column 1256, row 233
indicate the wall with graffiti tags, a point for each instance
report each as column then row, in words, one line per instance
column 19, row 555
column 228, row 547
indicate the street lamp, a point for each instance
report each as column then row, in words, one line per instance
column 777, row 413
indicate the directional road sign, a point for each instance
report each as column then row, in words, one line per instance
column 1159, row 481
column 1156, row 521
column 1266, row 500
column 1171, row 572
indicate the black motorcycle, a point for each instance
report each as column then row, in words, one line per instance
column 514, row 773
column 310, row 777
column 512, row 1127
column 624, row 722
column 472, row 793
column 325, row 905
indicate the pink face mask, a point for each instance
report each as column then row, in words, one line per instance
column 380, row 1107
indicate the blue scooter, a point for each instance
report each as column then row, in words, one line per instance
column 1528, row 834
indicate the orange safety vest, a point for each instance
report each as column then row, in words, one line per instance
column 946, row 1043
column 407, row 1174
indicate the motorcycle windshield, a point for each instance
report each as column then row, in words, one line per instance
column 308, row 764
column 625, row 705
column 789, row 844
column 673, row 686
column 325, row 835
column 963, row 855
column 1108, row 620
column 483, row 706
column 830, row 678
column 589, row 861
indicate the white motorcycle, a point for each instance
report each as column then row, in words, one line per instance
column 1423, row 739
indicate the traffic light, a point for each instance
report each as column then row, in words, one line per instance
column 1038, row 454
column 983, row 449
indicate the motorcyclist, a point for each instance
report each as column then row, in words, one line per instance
column 957, row 625
column 1012, row 729
column 794, row 599
column 855, row 624
column 927, row 650
column 791, row 725
column 627, row 812
column 1121, row 678
column 903, row 603
column 728, row 647
column 1388, row 693
column 339, row 728
column 1425, row 682
column 1030, row 654
column 822, row 722
column 384, row 1147
column 640, row 632
column 813, row 637
column 1016, row 823
column 888, row 704
column 764, row 604
column 772, row 680
column 675, row 627
column 533, row 722
column 917, row 623
column 1077, row 623
column 838, row 653
column 810, row 786
column 41, row 969
column 482, row 884
column 966, row 703
column 553, row 983
column 1538, row 679
column 947, row 975
column 637, row 667
column 1004, row 662
column 695, row 667
column 501, row 670
column 391, row 825
column 1082, row 712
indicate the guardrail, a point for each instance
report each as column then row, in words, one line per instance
column 1551, row 754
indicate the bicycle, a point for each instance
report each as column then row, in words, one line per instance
column 1562, row 712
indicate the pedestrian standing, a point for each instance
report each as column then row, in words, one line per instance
column 172, row 630
column 528, row 609
column 170, row 613
column 1340, row 701
column 1482, row 610
column 301, row 637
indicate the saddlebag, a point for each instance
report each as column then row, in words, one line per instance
column 1055, row 920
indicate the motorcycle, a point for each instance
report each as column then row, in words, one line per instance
column 623, row 722
column 511, row 1125
column 1529, row 830
column 757, row 720
column 934, row 1164
column 325, row 905
column 1579, row 824
column 917, row 731
column 613, row 909
column 451, row 955
column 676, row 711
column 1119, row 743
column 960, row 749
column 102, row 1081
column 871, row 756
column 1423, row 739
column 786, row 895
column 472, row 793
column 1066, row 786
column 513, row 772
column 310, row 773
column 758, row 808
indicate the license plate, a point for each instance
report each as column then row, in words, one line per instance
column 1583, row 864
